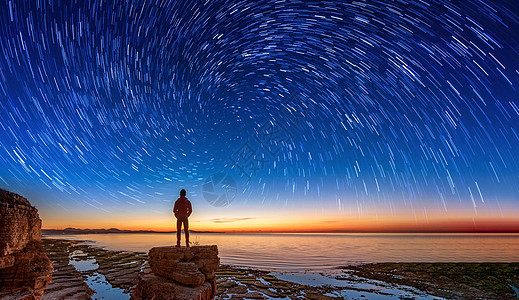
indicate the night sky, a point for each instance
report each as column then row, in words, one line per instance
column 335, row 110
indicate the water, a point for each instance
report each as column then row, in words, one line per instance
column 320, row 252
column 96, row 281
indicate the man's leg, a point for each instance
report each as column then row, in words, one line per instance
column 179, row 228
column 186, row 231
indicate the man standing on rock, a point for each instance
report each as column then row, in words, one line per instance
column 182, row 211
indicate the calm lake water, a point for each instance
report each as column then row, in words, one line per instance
column 318, row 252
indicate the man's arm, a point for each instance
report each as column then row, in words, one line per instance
column 175, row 208
column 189, row 208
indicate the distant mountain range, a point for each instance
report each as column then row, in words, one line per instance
column 101, row 231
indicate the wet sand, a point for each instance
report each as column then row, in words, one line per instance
column 83, row 271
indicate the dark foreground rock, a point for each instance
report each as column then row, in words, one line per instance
column 25, row 269
column 179, row 273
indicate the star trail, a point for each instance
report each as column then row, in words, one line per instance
column 353, row 105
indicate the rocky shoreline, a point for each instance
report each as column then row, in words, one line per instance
column 84, row 271
column 121, row 269
column 78, row 266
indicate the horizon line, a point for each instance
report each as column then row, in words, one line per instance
column 296, row 231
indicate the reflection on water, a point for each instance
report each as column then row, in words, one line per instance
column 81, row 262
column 103, row 289
column 96, row 281
column 315, row 252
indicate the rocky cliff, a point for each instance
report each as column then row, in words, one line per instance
column 179, row 273
column 25, row 269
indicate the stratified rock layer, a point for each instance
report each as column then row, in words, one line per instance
column 155, row 287
column 25, row 269
column 19, row 223
column 187, row 265
column 179, row 273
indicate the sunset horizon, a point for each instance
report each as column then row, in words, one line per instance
column 320, row 224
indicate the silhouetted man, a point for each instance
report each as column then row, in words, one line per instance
column 182, row 211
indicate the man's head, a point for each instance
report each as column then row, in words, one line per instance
column 182, row 192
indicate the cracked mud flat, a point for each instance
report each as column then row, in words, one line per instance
column 83, row 271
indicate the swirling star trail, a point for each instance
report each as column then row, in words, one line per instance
column 110, row 107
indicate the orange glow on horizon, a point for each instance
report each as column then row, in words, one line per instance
column 294, row 218
column 299, row 223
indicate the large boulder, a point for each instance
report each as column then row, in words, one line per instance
column 155, row 287
column 179, row 273
column 25, row 269
column 187, row 265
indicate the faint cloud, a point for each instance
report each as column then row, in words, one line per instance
column 229, row 220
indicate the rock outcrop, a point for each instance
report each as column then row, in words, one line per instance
column 25, row 269
column 179, row 273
